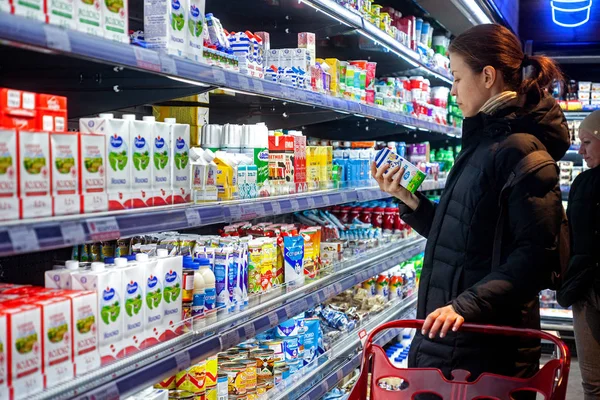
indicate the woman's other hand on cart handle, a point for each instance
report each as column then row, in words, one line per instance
column 441, row 320
column 390, row 183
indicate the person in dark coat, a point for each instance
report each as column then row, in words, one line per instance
column 581, row 285
column 506, row 118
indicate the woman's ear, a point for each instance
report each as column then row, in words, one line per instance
column 489, row 76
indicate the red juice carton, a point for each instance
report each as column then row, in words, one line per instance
column 17, row 109
column 51, row 115
column 287, row 155
column 9, row 188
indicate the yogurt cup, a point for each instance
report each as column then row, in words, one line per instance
column 412, row 178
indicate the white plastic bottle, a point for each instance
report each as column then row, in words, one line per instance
column 198, row 298
column 210, row 294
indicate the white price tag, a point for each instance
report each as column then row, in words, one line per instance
column 235, row 212
column 244, row 83
column 276, row 207
column 147, row 59
column 57, row 38
column 289, row 311
column 303, row 304
column 230, row 339
column 102, row 229
column 23, row 238
column 193, row 218
column 183, row 361
column 107, row 392
column 311, row 202
column 72, row 233
column 286, row 92
column 168, row 65
column 258, row 86
column 344, row 197
column 219, row 76
column 295, row 205
column 273, row 319
column 249, row 330
column 301, row 95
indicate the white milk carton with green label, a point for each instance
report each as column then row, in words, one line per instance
column 9, row 202
column 92, row 171
column 108, row 284
column 33, row 9
column 195, row 29
column 64, row 151
column 141, row 135
column 89, row 17
column 161, row 164
column 132, row 276
column 62, row 13
column 170, row 270
column 34, row 174
column 115, row 20
column 412, row 178
column 164, row 25
column 153, row 304
column 180, row 178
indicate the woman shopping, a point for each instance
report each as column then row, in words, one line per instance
column 581, row 287
column 507, row 118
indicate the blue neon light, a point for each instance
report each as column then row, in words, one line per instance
column 571, row 13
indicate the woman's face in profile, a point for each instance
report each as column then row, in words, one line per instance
column 590, row 148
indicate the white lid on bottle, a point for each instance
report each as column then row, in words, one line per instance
column 209, row 156
column 71, row 264
column 196, row 153
column 141, row 257
column 121, row 262
column 170, row 121
column 97, row 266
column 149, row 118
column 129, row 117
column 162, row 253
column 106, row 115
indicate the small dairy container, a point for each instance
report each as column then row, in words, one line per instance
column 34, row 9
column 34, row 174
column 412, row 178
column 133, row 286
column 170, row 269
column 64, row 154
column 164, row 25
column 180, row 178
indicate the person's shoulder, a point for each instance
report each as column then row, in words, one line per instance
column 514, row 147
column 589, row 178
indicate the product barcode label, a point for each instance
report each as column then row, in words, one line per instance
column 295, row 205
column 273, row 318
column 102, row 229
column 193, row 218
column 311, row 202
column 23, row 239
column 326, row 200
column 183, row 360
column 229, row 339
column 219, row 76
column 276, row 207
column 235, row 213
column 244, row 83
column 168, row 65
column 249, row 330
column 258, row 86
column 72, row 233
column 57, row 38
column 147, row 59
column 286, row 92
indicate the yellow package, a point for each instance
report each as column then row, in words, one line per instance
column 196, row 116
column 334, row 70
column 313, row 171
column 321, row 162
column 211, row 371
column 226, row 179
column 268, row 268
column 312, row 251
column 328, row 163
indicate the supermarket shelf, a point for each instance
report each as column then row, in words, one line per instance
column 575, row 115
column 556, row 319
column 129, row 375
column 369, row 30
column 19, row 31
column 50, row 233
column 344, row 360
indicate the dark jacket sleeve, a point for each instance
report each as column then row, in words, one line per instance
column 534, row 216
column 583, row 211
column 420, row 219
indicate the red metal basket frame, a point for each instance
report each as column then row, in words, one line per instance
column 551, row 380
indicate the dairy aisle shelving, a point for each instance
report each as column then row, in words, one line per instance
column 143, row 369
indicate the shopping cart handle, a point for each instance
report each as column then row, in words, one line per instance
column 551, row 380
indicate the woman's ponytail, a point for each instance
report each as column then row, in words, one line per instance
column 543, row 72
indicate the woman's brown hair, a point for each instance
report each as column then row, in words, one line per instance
column 495, row 45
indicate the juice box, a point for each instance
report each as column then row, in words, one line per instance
column 412, row 178
column 170, row 272
column 313, row 175
column 288, row 152
column 307, row 40
column 84, row 324
column 89, row 17
column 92, row 169
column 24, row 348
column 133, row 318
column 164, row 22
column 17, row 109
column 33, row 9
column 161, row 165
column 195, row 32
column 141, row 136
column 153, row 304
column 180, row 178
column 62, row 13
column 107, row 284
column 64, row 160
column 115, row 20
column 34, row 174
column 51, row 112
column 57, row 330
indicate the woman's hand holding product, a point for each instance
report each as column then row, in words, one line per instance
column 389, row 181
column 441, row 320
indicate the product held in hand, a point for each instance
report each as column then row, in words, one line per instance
column 412, row 178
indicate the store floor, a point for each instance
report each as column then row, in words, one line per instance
column 575, row 391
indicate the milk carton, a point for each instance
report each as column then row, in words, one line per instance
column 115, row 20
column 62, row 13
column 57, row 330
column 89, row 17
column 153, row 304
column 133, row 303
column 162, row 163
column 30, row 9
column 24, row 349
column 92, row 169
column 118, row 154
column 108, row 285
column 9, row 189
column 6, row 7
column 412, row 178
column 84, row 328
column 195, row 32
column 64, row 151
column 34, row 174
column 164, row 25
column 180, row 177
column 61, row 278
column 223, row 259
column 170, row 270
column 141, row 135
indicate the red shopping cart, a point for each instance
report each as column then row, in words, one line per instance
column 550, row 381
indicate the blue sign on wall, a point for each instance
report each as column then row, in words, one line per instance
column 571, row 13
